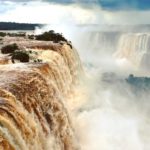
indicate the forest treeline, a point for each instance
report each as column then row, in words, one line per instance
column 17, row 26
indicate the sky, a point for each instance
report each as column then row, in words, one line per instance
column 76, row 11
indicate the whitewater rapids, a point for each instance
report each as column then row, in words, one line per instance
column 60, row 112
column 33, row 114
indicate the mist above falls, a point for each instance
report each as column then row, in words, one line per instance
column 113, row 113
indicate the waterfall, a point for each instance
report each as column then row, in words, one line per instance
column 44, row 105
column 123, row 45
column 134, row 47
column 99, row 41
column 32, row 97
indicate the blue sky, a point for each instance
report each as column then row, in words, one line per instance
column 126, row 4
column 113, row 4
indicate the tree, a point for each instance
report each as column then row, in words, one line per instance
column 51, row 36
column 9, row 48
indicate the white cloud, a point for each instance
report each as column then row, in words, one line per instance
column 42, row 12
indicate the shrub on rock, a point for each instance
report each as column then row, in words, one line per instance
column 51, row 36
column 20, row 55
column 9, row 48
column 2, row 34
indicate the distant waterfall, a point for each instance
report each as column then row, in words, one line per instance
column 98, row 42
column 127, row 45
column 135, row 47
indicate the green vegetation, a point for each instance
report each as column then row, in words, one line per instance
column 17, row 26
column 22, row 56
column 9, row 48
column 37, row 60
column 2, row 34
column 51, row 36
column 31, row 37
column 20, row 34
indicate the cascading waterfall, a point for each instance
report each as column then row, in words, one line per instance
column 134, row 47
column 124, row 45
column 96, row 40
column 32, row 96
column 43, row 106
